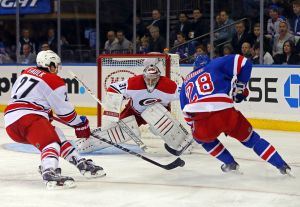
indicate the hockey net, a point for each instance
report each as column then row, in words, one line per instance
column 113, row 68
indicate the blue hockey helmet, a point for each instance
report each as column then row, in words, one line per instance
column 201, row 61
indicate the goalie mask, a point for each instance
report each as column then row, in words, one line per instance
column 48, row 58
column 151, row 77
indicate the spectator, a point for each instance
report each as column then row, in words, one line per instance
column 198, row 24
column 140, row 27
column 200, row 50
column 224, row 34
column 267, row 57
column 4, row 57
column 157, row 43
column 28, row 57
column 227, row 49
column 246, row 50
column 280, row 38
column 295, row 21
column 52, row 40
column 185, row 51
column 25, row 38
column 123, row 43
column 157, row 22
column 44, row 47
column 111, row 42
column 288, row 56
column 239, row 37
column 255, row 38
column 183, row 25
column 144, row 48
column 273, row 21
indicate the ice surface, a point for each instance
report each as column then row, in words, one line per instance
column 131, row 182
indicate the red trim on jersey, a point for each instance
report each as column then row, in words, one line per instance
column 68, row 117
column 214, row 99
column 269, row 151
column 28, row 106
column 52, row 80
column 136, row 83
column 166, row 85
column 239, row 64
column 217, row 150
column 112, row 90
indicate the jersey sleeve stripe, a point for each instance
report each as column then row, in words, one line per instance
column 68, row 117
column 113, row 89
column 239, row 62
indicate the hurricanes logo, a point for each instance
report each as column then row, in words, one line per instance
column 117, row 76
column 290, row 87
column 149, row 101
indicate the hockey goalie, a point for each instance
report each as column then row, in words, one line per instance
column 149, row 96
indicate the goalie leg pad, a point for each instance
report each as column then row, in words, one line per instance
column 163, row 124
column 112, row 132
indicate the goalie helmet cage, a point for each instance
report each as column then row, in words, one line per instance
column 117, row 67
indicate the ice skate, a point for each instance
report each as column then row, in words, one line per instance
column 87, row 168
column 54, row 180
column 232, row 167
column 286, row 170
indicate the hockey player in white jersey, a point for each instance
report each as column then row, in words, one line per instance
column 149, row 96
column 36, row 92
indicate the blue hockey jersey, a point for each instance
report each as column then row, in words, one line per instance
column 207, row 89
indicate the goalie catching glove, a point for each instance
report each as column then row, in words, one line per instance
column 83, row 130
column 239, row 92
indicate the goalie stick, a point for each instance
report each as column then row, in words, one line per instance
column 177, row 152
column 122, row 125
column 176, row 163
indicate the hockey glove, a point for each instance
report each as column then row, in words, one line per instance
column 239, row 92
column 83, row 129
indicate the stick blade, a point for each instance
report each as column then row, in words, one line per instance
column 176, row 163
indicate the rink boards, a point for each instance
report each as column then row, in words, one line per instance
column 273, row 102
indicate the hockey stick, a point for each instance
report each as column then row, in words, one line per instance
column 177, row 152
column 176, row 163
column 122, row 125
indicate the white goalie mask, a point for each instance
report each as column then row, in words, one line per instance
column 151, row 77
column 46, row 59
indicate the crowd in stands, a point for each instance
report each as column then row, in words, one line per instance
column 281, row 36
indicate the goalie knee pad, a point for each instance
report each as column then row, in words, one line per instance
column 164, row 125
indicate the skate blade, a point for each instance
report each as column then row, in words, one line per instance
column 52, row 185
column 99, row 174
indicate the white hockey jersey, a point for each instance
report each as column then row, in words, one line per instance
column 37, row 92
column 135, row 89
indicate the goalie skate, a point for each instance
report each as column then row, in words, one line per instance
column 88, row 168
column 55, row 181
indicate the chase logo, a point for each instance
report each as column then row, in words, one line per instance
column 292, row 86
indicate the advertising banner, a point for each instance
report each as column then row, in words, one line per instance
column 26, row 6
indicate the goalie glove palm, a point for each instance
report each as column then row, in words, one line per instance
column 83, row 130
column 239, row 92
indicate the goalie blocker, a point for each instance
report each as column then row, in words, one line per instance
column 162, row 123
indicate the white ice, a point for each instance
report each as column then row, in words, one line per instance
column 132, row 182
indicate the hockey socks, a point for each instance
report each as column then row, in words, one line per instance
column 265, row 150
column 217, row 149
column 67, row 151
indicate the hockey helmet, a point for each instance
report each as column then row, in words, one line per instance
column 151, row 77
column 48, row 58
column 201, row 61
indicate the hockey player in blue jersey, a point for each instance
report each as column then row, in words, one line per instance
column 209, row 109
